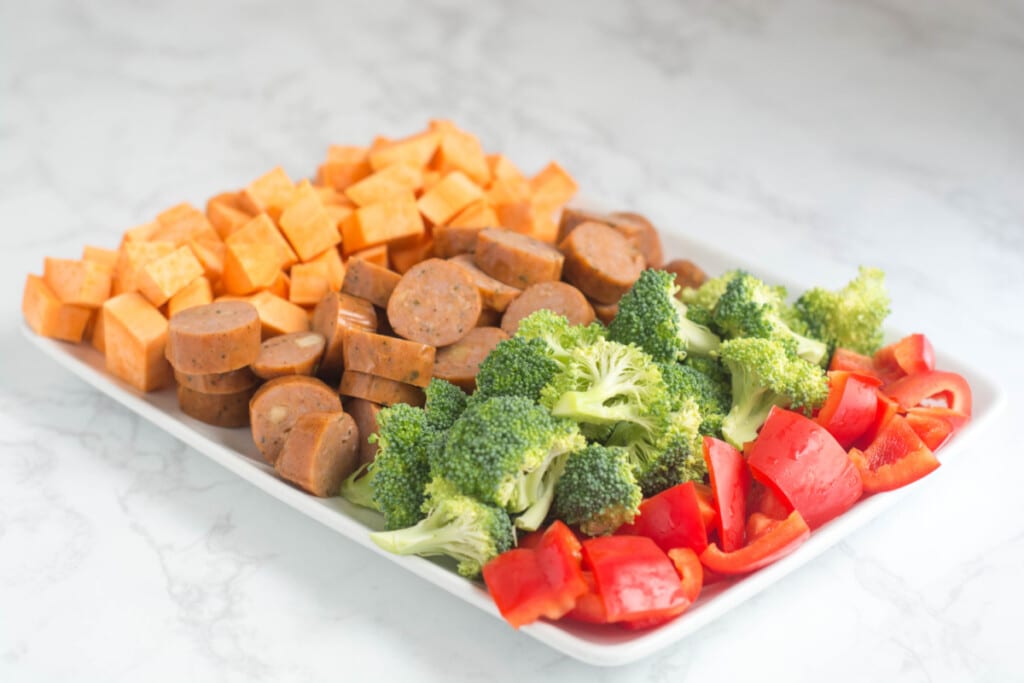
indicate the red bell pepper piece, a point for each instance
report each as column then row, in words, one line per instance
column 885, row 409
column 527, row 584
column 634, row 578
column 801, row 461
column 765, row 501
column 911, row 390
column 774, row 543
column 851, row 361
column 708, row 512
column 895, row 458
column 850, row 407
column 672, row 519
column 589, row 607
column 730, row 485
column 935, row 425
column 908, row 356
column 691, row 577
column 758, row 524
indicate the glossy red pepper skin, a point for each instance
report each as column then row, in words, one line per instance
column 803, row 463
column 529, row 583
column 935, row 426
column 775, row 542
column 634, row 578
column 851, row 361
column 691, row 580
column 589, row 607
column 908, row 356
column 764, row 500
column 895, row 458
column 886, row 408
column 730, row 486
column 850, row 407
column 912, row 390
column 708, row 511
column 672, row 519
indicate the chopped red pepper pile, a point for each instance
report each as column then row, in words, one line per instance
column 877, row 431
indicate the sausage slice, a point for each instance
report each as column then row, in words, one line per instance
column 276, row 406
column 688, row 273
column 365, row 414
column 560, row 297
column 494, row 293
column 642, row 234
column 213, row 338
column 515, row 259
column 601, row 262
column 220, row 410
column 460, row 362
column 334, row 315
column 389, row 357
column 219, row 382
column 369, row 281
column 319, row 452
column 450, row 240
column 297, row 353
column 605, row 312
column 436, row 303
column 379, row 389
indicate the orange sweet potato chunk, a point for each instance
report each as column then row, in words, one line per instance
column 502, row 167
column 381, row 222
column 377, row 255
column 278, row 315
column 78, row 282
column 479, row 214
column 461, row 151
column 47, row 316
column 345, row 165
column 196, row 293
column 140, row 233
column 226, row 219
column 415, row 150
column 181, row 223
column 249, row 267
column 261, row 230
column 385, row 184
column 309, row 283
column 135, row 334
column 108, row 257
column 269, row 193
column 308, row 227
column 552, row 187
column 405, row 254
column 449, row 196
column 333, row 266
column 210, row 254
column 134, row 255
column 164, row 277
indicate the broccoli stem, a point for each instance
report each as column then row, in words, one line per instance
column 700, row 341
column 358, row 489
column 540, row 484
column 747, row 416
column 588, row 407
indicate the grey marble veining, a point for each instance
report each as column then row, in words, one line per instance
column 809, row 136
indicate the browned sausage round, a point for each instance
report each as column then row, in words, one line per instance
column 319, row 452
column 389, row 357
column 605, row 312
column 460, row 362
column 517, row 260
column 572, row 217
column 333, row 317
column 297, row 353
column 436, row 303
column 450, row 240
column 365, row 414
column 642, row 233
column 218, row 383
column 220, row 410
column 369, row 281
column 688, row 273
column 494, row 293
column 379, row 389
column 601, row 262
column 214, row 338
column 560, row 297
column 276, row 406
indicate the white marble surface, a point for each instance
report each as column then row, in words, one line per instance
column 811, row 136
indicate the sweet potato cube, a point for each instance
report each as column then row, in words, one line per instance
column 502, row 167
column 107, row 257
column 309, row 283
column 449, row 196
column 269, row 193
column 552, row 187
column 415, row 150
column 479, row 214
column 164, row 277
column 333, row 266
column 377, row 255
column 338, row 215
column 406, row 253
column 308, row 227
column 389, row 182
column 461, row 151
column 135, row 334
column 47, row 316
column 226, row 219
column 508, row 190
column 261, row 230
column 196, row 293
column 249, row 267
column 181, row 223
column 231, row 199
column 282, row 285
column 210, row 254
column 140, row 233
column 382, row 222
column 79, row 283
column 134, row 255
column 98, row 339
column 278, row 316
column 344, row 166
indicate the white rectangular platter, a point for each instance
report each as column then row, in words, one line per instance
column 604, row 646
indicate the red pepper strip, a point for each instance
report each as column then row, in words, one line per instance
column 801, row 461
column 706, row 501
column 908, row 356
column 528, row 584
column 589, row 607
column 530, row 540
column 895, row 458
column 730, row 484
column 850, row 407
column 765, row 501
column 634, row 578
column 691, row 576
column 672, row 519
column 758, row 524
column 935, row 425
column 769, row 547
column 883, row 413
column 911, row 390
column 851, row 361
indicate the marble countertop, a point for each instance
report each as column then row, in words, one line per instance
column 809, row 136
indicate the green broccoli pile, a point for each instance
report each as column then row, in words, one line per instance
column 580, row 423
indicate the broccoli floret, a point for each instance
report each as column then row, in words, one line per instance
column 850, row 318
column 445, row 402
column 597, row 491
column 710, row 391
column 651, row 317
column 605, row 383
column 558, row 334
column 706, row 296
column 455, row 525
column 398, row 474
column 516, row 367
column 750, row 308
column 509, row 452
column 765, row 373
